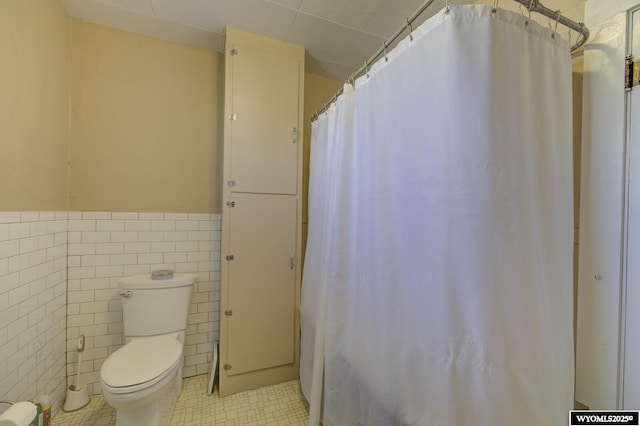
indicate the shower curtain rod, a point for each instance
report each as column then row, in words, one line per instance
column 532, row 6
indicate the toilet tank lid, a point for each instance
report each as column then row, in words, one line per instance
column 140, row 361
column 138, row 282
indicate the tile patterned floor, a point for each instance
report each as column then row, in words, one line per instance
column 279, row 405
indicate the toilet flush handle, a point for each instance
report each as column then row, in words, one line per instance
column 127, row 293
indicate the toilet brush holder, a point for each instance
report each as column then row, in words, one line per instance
column 76, row 398
column 77, row 395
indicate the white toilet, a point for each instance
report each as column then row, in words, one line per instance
column 143, row 379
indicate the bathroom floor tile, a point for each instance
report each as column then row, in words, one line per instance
column 281, row 404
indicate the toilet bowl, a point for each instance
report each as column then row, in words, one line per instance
column 143, row 379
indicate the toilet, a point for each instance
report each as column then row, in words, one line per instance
column 143, row 379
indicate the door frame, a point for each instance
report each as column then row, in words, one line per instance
column 626, row 210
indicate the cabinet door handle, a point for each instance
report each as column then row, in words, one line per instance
column 292, row 261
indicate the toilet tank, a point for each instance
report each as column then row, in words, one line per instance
column 152, row 307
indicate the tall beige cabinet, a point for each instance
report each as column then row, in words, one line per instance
column 262, row 212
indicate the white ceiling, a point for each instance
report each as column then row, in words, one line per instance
column 338, row 35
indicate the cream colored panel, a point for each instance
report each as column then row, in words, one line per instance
column 261, row 284
column 264, row 149
column 260, row 341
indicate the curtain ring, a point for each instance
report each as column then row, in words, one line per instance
column 366, row 68
column 569, row 36
column 555, row 30
column 410, row 29
column 526, row 23
column 385, row 52
column 447, row 9
column 494, row 9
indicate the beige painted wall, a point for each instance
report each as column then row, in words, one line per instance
column 145, row 128
column 34, row 109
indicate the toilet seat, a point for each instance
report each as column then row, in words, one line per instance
column 140, row 364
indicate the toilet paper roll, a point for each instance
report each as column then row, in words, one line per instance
column 19, row 414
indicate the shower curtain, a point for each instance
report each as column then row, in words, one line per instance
column 437, row 286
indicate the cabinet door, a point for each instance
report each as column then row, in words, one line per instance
column 261, row 285
column 264, row 146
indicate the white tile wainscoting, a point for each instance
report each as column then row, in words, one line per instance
column 104, row 247
column 33, row 295
column 59, row 276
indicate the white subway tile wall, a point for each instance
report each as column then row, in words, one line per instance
column 33, row 295
column 105, row 246
column 59, row 275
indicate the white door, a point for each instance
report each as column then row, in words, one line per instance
column 631, row 384
column 602, row 287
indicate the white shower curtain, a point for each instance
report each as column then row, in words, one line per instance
column 437, row 286
column 331, row 141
